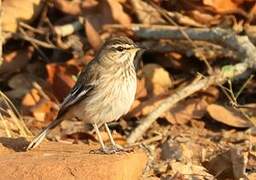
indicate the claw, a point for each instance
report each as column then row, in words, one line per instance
column 102, row 151
column 111, row 150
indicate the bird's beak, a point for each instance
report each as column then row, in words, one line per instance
column 135, row 49
column 139, row 49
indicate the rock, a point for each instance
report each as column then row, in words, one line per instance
column 70, row 161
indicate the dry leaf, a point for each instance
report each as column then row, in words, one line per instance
column 20, row 84
column 253, row 11
column 222, row 6
column 171, row 150
column 141, row 91
column 14, row 12
column 60, row 78
column 14, row 61
column 230, row 164
column 251, row 176
column 182, row 113
column 40, row 107
column 118, row 13
column 187, row 110
column 190, row 169
column 96, row 15
column 75, row 8
column 92, row 34
column 158, row 80
column 146, row 13
column 205, row 18
column 228, row 116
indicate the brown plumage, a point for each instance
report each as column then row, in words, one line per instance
column 104, row 91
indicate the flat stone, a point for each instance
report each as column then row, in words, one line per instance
column 69, row 161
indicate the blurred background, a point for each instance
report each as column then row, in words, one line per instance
column 45, row 43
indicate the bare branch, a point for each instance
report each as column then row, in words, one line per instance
column 241, row 44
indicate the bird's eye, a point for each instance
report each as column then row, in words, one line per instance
column 120, row 48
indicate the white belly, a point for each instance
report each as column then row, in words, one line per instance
column 110, row 104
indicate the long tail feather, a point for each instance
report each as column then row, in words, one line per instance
column 40, row 137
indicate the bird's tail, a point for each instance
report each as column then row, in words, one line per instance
column 40, row 137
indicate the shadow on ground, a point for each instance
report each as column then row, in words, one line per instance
column 16, row 144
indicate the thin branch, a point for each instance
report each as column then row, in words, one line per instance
column 31, row 28
column 8, row 133
column 186, row 36
column 25, row 37
column 67, row 29
column 241, row 44
column 169, row 102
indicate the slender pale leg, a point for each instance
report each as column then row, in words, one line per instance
column 99, row 136
column 109, row 135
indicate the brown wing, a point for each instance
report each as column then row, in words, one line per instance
column 86, row 81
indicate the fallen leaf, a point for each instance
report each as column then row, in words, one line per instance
column 20, row 84
column 38, row 106
column 189, row 170
column 222, row 6
column 229, row 164
column 187, row 110
column 60, row 78
column 117, row 12
column 15, row 61
column 253, row 11
column 146, row 13
column 228, row 116
column 171, row 150
column 96, row 14
column 75, row 8
column 15, row 12
column 141, row 91
column 205, row 18
column 92, row 34
column 251, row 176
column 158, row 80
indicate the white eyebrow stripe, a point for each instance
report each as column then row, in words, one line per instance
column 125, row 46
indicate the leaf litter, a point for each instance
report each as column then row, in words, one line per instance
column 202, row 137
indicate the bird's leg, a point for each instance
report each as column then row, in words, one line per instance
column 99, row 137
column 109, row 135
column 115, row 147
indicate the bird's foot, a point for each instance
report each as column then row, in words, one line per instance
column 111, row 150
column 105, row 150
column 118, row 149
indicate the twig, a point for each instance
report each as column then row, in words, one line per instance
column 148, row 141
column 68, row 29
column 241, row 44
column 31, row 28
column 169, row 102
column 24, row 36
column 14, row 113
column 146, row 13
column 186, row 36
column 243, row 86
column 210, row 50
column 17, row 122
column 34, row 43
column 227, row 38
column 8, row 133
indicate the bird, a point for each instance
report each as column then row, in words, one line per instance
column 104, row 91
